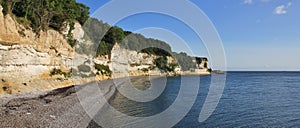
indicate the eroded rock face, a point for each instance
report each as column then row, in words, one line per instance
column 119, row 59
column 130, row 58
column 126, row 62
column 27, row 58
column 23, row 55
column 1, row 21
column 78, row 32
column 12, row 33
column 8, row 30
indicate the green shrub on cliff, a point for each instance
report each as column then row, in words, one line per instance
column 55, row 71
column 104, row 37
column 186, row 62
column 145, row 70
column 113, row 35
column 156, row 51
column 104, row 48
column 172, row 66
column 42, row 14
column 4, row 88
column 161, row 63
column 103, row 69
column 104, row 42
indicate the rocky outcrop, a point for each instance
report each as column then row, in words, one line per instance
column 78, row 32
column 126, row 62
column 44, row 61
column 12, row 33
column 8, row 29
column 27, row 57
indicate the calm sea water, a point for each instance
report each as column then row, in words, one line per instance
column 250, row 99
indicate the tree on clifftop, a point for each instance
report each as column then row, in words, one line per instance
column 42, row 14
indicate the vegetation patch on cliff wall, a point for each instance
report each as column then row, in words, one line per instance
column 60, row 72
column 162, row 64
column 44, row 14
column 103, row 69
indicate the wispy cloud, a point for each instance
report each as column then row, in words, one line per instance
column 265, row 1
column 248, row 1
column 289, row 4
column 252, row 1
column 282, row 9
column 279, row 10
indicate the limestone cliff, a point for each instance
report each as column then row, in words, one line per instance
column 126, row 62
column 31, row 62
column 27, row 58
column 43, row 61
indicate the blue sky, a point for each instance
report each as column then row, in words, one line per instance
column 256, row 34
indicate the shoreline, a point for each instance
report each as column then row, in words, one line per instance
column 87, row 81
column 46, row 106
column 49, row 108
column 95, row 79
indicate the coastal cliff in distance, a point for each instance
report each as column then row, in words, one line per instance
column 44, row 60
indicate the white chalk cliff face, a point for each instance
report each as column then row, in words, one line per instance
column 26, row 57
column 126, row 62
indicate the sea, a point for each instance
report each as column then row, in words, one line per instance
column 249, row 99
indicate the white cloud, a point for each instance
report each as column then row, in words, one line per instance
column 248, row 1
column 265, row 0
column 289, row 4
column 280, row 10
column 252, row 1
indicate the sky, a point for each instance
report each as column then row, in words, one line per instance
column 256, row 34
